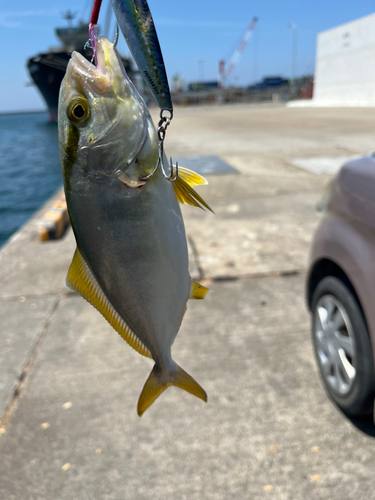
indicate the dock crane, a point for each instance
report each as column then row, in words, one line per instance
column 224, row 72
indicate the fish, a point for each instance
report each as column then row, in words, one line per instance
column 131, row 260
column 137, row 26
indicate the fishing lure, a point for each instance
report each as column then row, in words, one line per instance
column 136, row 23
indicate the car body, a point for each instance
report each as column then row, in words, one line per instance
column 341, row 278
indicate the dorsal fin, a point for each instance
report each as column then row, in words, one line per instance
column 186, row 194
column 81, row 280
column 192, row 178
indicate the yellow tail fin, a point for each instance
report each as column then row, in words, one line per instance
column 158, row 381
column 186, row 194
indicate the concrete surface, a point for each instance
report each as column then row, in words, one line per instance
column 69, row 384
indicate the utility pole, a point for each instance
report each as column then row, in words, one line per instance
column 294, row 55
column 201, row 72
column 308, row 65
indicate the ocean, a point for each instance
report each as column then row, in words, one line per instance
column 30, row 169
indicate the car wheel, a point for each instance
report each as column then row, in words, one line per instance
column 342, row 347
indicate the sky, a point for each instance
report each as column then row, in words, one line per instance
column 194, row 35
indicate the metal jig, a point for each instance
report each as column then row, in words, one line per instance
column 116, row 36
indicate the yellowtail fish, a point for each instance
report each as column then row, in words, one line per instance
column 131, row 261
column 136, row 23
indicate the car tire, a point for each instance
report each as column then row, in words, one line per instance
column 343, row 353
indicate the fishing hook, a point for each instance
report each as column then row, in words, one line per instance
column 172, row 177
column 162, row 128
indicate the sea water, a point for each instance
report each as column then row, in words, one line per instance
column 29, row 167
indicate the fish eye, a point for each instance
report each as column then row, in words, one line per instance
column 79, row 110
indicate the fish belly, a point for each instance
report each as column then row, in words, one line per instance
column 134, row 242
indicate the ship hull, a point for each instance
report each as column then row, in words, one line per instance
column 47, row 71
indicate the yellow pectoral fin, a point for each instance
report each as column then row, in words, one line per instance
column 186, row 194
column 192, row 178
column 198, row 291
column 81, row 280
column 156, row 385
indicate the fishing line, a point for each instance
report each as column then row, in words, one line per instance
column 95, row 12
column 93, row 31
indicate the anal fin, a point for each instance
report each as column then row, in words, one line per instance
column 81, row 280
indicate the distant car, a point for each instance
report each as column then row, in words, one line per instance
column 341, row 289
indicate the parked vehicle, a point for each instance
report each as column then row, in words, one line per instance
column 341, row 288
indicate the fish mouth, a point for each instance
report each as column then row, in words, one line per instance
column 98, row 78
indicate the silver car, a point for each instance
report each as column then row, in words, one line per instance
column 340, row 289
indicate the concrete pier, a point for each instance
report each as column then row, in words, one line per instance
column 69, row 384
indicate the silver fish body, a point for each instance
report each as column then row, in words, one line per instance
column 136, row 23
column 131, row 261
column 135, row 241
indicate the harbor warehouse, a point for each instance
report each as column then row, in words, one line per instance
column 345, row 64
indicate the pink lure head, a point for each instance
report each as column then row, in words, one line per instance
column 93, row 34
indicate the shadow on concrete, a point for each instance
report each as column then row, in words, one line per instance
column 364, row 424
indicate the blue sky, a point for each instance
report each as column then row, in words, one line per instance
column 189, row 31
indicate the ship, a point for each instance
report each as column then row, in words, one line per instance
column 47, row 69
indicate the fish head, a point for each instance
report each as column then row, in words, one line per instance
column 104, row 124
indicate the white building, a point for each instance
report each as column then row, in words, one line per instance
column 345, row 65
